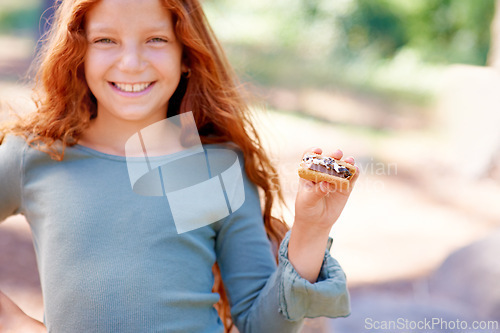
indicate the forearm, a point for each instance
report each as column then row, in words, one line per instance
column 306, row 250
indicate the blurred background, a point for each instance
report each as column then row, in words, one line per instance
column 409, row 88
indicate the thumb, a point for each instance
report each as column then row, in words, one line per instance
column 310, row 192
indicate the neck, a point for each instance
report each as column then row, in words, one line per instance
column 110, row 135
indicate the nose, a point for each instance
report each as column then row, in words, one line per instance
column 131, row 59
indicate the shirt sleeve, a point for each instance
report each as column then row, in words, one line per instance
column 264, row 296
column 327, row 297
column 10, row 176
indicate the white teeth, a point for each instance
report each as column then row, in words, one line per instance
column 132, row 87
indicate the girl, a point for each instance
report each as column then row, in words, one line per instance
column 110, row 260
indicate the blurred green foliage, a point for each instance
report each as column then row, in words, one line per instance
column 16, row 15
column 393, row 47
column 441, row 31
column 372, row 24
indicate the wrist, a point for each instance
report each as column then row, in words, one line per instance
column 311, row 230
column 306, row 250
column 309, row 238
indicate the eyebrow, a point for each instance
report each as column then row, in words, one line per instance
column 99, row 27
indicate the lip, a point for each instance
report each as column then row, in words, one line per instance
column 131, row 93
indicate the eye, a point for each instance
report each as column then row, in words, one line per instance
column 158, row 40
column 103, row 41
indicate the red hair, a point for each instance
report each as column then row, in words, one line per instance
column 65, row 104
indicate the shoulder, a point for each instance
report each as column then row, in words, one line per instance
column 12, row 152
column 18, row 149
column 13, row 141
column 12, row 148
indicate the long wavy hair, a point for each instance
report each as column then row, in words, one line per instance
column 65, row 104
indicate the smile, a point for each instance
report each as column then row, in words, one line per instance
column 131, row 87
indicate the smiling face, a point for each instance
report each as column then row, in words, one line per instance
column 133, row 62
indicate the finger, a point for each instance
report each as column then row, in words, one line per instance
column 337, row 154
column 349, row 160
column 326, row 187
column 306, row 184
column 311, row 192
column 356, row 176
column 313, row 150
column 318, row 189
column 317, row 150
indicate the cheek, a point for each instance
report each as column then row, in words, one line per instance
column 169, row 64
column 172, row 69
column 91, row 68
column 95, row 65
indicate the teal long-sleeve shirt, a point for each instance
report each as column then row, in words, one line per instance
column 111, row 260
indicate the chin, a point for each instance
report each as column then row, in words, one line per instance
column 136, row 115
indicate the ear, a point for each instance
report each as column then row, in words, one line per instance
column 184, row 63
column 184, row 67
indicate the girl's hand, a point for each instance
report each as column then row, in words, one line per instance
column 13, row 319
column 319, row 205
column 317, row 208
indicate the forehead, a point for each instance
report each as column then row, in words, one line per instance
column 129, row 15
